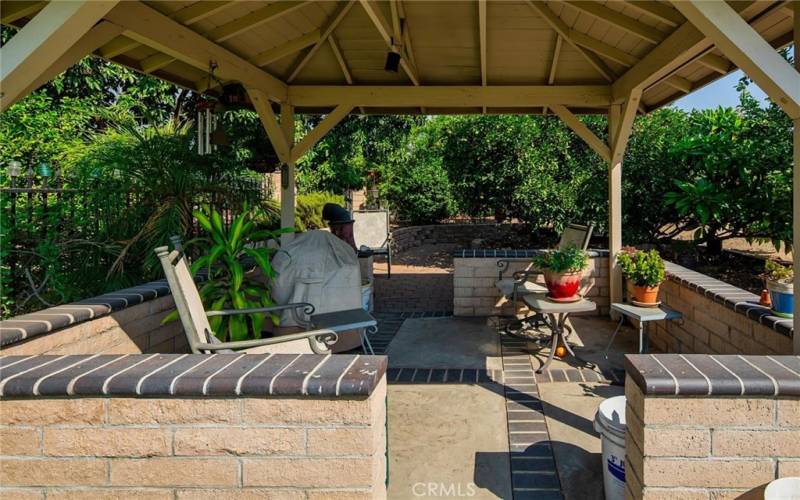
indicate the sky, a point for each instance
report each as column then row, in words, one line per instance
column 719, row 93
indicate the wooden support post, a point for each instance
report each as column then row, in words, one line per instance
column 614, row 208
column 287, row 173
column 796, row 186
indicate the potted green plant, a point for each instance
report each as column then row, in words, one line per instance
column 645, row 271
column 563, row 270
column 228, row 283
column 780, row 283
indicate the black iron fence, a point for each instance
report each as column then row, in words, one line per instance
column 59, row 237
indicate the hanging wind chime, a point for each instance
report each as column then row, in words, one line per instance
column 210, row 130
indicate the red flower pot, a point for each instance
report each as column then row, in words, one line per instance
column 562, row 285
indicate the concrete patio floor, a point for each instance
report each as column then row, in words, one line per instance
column 462, row 423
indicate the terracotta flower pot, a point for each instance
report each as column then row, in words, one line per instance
column 562, row 285
column 646, row 294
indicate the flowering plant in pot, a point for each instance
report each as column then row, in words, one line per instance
column 562, row 270
column 780, row 283
column 645, row 270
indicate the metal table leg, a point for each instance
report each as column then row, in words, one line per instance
column 619, row 325
column 556, row 325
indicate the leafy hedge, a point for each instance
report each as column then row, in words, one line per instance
column 723, row 173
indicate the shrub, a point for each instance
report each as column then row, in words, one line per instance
column 416, row 185
column 308, row 209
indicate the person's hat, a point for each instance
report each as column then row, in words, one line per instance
column 336, row 214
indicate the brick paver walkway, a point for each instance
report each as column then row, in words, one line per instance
column 413, row 289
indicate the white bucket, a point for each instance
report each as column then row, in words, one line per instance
column 610, row 423
column 366, row 296
column 787, row 488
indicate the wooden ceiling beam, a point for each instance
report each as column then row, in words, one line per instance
column 43, row 41
column 499, row 96
column 187, row 16
column 148, row 26
column 378, row 19
column 14, row 11
column 333, row 22
column 619, row 20
column 602, row 49
column 199, row 11
column 253, row 20
column 287, row 48
column 747, row 49
column 562, row 29
column 659, row 11
column 337, row 53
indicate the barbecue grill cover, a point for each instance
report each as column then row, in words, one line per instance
column 318, row 268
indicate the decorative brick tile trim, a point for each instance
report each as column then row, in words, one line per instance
column 733, row 298
column 580, row 374
column 25, row 326
column 190, row 375
column 479, row 253
column 443, row 376
column 714, row 375
column 533, row 467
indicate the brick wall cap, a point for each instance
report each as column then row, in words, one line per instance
column 190, row 375
column 714, row 375
column 734, row 298
column 520, row 253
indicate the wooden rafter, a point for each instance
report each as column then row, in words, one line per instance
column 337, row 53
column 679, row 83
column 312, row 137
column 747, row 49
column 621, row 21
column 658, row 11
column 148, row 26
column 551, row 78
column 43, row 41
column 254, row 19
column 14, row 11
column 287, row 48
column 155, row 62
column 601, row 48
column 117, row 46
column 378, row 19
column 187, row 16
column 482, row 30
column 562, row 29
column 717, row 63
column 199, row 11
column 332, row 23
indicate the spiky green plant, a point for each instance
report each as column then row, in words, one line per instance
column 228, row 285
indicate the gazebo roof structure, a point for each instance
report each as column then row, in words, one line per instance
column 568, row 57
column 469, row 50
